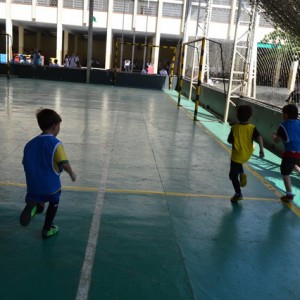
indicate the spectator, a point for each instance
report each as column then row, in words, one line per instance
column 66, row 61
column 37, row 58
column 55, row 64
column 163, row 72
column 127, row 65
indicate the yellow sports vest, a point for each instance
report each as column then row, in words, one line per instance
column 242, row 147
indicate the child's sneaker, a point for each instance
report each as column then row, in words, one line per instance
column 236, row 197
column 28, row 213
column 52, row 231
column 287, row 198
column 243, row 179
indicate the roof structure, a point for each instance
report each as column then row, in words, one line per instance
column 284, row 13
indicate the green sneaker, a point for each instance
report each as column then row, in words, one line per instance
column 28, row 213
column 243, row 179
column 52, row 231
column 236, row 198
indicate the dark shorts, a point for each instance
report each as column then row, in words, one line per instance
column 287, row 165
column 54, row 198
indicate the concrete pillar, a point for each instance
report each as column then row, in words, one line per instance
column 133, row 25
column 85, row 13
column 183, row 24
column 66, row 44
column 186, row 16
column 155, row 53
column 9, row 29
column 134, row 14
column 59, row 32
column 108, row 49
column 109, row 37
column 59, row 41
column 21, row 39
column 33, row 10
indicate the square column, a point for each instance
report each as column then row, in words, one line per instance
column 21, row 39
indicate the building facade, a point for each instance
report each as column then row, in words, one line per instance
column 60, row 27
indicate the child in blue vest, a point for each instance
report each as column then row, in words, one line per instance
column 43, row 160
column 289, row 133
column 241, row 137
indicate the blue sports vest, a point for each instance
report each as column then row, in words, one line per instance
column 292, row 130
column 38, row 162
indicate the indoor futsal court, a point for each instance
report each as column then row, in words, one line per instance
column 149, row 216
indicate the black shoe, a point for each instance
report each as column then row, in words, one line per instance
column 287, row 198
column 28, row 213
column 236, row 198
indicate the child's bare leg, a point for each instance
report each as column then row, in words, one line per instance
column 297, row 168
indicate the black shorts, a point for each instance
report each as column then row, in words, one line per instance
column 235, row 169
column 287, row 165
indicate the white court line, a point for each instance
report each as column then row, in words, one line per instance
column 86, row 272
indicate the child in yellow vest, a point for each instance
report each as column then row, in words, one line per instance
column 241, row 137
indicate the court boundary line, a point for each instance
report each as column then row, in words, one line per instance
column 139, row 192
column 88, row 263
column 291, row 206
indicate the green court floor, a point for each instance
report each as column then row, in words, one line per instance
column 149, row 216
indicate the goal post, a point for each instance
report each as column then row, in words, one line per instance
column 197, row 67
column 134, row 54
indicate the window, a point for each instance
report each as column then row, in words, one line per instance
column 172, row 10
column 73, row 4
column 147, row 8
column 120, row 6
column 100, row 5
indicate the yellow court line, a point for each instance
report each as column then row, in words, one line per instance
column 139, row 192
column 291, row 206
column 175, row 194
column 187, row 195
column 15, row 184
